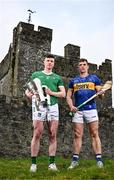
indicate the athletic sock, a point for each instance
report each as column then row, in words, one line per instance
column 98, row 157
column 33, row 158
column 51, row 159
column 75, row 157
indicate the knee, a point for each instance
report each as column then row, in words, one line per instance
column 53, row 134
column 78, row 134
column 94, row 134
column 37, row 133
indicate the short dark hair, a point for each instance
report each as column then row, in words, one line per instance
column 49, row 56
column 83, row 59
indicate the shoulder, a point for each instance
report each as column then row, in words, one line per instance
column 75, row 79
column 93, row 75
column 56, row 75
column 95, row 78
column 36, row 73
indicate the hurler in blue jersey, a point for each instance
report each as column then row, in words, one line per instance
column 81, row 88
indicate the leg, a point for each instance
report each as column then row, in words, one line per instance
column 77, row 143
column 37, row 133
column 35, row 143
column 96, row 143
column 78, row 133
column 52, row 126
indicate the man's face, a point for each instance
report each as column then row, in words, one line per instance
column 83, row 67
column 49, row 63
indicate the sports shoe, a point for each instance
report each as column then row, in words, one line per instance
column 73, row 164
column 52, row 167
column 99, row 164
column 33, row 168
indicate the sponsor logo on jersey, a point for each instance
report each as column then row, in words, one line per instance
column 87, row 85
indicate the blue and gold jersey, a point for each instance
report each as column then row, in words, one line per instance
column 83, row 88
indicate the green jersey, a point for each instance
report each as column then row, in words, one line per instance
column 52, row 81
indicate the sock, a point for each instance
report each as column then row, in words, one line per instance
column 51, row 159
column 33, row 159
column 75, row 157
column 98, row 157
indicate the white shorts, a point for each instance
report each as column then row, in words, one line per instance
column 50, row 113
column 88, row 116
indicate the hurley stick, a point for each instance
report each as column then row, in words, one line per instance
column 104, row 88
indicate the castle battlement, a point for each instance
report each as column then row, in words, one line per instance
column 27, row 32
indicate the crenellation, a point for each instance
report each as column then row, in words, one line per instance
column 45, row 33
column 72, row 52
column 25, row 27
column 93, row 68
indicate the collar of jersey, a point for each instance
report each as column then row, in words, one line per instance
column 47, row 73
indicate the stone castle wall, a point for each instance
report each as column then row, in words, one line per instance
column 25, row 55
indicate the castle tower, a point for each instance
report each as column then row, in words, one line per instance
column 27, row 49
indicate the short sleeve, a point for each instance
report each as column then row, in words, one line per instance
column 71, row 84
column 97, row 81
column 60, row 82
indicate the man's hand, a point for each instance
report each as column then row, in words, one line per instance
column 73, row 109
column 48, row 91
column 28, row 94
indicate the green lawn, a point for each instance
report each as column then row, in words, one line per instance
column 15, row 169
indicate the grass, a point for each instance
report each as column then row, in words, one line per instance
column 18, row 169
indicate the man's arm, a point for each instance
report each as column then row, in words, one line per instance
column 98, row 88
column 70, row 101
column 60, row 94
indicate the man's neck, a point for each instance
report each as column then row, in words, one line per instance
column 84, row 74
column 47, row 71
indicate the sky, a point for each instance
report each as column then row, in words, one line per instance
column 86, row 23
